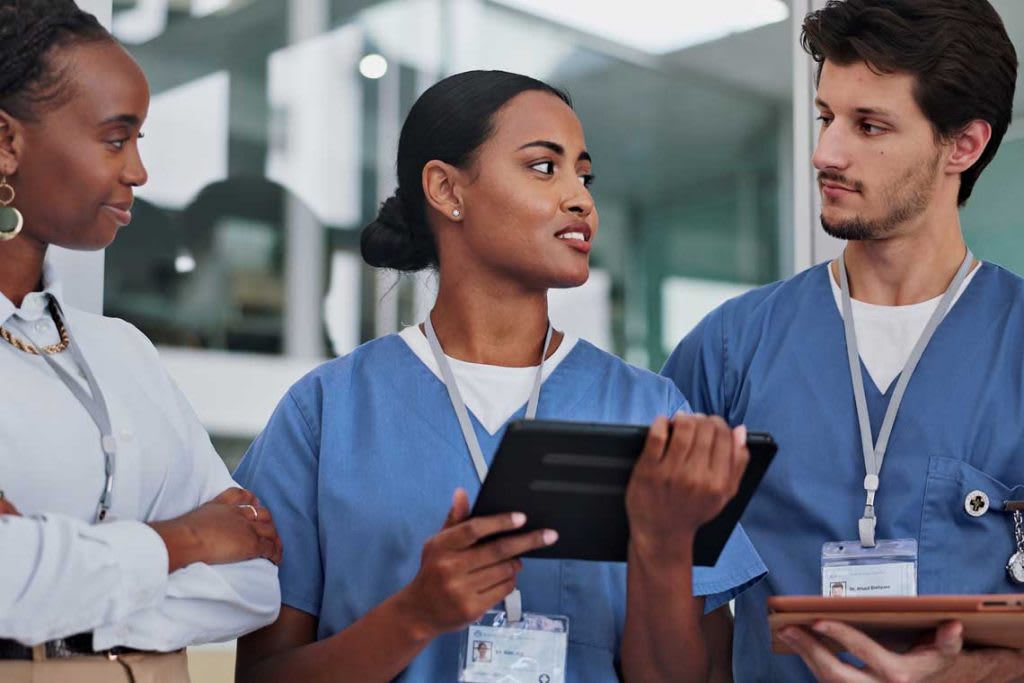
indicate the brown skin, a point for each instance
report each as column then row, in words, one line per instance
column 892, row 154
column 498, row 258
column 74, row 167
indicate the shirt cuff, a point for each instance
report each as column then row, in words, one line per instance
column 143, row 569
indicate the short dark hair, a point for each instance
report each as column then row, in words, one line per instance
column 448, row 123
column 29, row 30
column 964, row 63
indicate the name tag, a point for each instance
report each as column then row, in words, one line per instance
column 849, row 570
column 529, row 651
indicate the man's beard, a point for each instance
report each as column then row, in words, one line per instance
column 904, row 205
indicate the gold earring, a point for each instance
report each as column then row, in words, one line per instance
column 11, row 219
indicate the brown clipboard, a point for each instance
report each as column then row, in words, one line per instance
column 899, row 622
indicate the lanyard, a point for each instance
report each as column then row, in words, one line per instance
column 472, row 443
column 94, row 404
column 874, row 454
column 514, row 601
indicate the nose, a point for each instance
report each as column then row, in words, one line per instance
column 831, row 150
column 578, row 200
column 134, row 172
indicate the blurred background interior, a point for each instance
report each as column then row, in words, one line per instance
column 272, row 137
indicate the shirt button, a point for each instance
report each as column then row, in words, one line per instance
column 976, row 503
column 127, row 435
column 41, row 326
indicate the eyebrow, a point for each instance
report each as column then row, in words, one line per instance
column 126, row 119
column 556, row 148
column 868, row 111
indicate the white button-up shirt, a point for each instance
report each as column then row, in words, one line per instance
column 60, row 573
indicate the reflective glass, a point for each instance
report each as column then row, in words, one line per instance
column 272, row 139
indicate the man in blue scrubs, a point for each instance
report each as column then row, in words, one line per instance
column 914, row 98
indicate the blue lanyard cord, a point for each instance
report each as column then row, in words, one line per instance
column 874, row 454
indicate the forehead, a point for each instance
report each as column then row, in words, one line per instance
column 537, row 115
column 856, row 86
column 104, row 82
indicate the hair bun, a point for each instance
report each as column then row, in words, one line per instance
column 390, row 242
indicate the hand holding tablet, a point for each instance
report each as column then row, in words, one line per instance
column 573, row 477
column 899, row 622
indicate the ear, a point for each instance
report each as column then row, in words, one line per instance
column 441, row 189
column 968, row 145
column 10, row 143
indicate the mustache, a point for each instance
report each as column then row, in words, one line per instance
column 840, row 179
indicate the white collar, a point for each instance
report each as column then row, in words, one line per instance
column 34, row 305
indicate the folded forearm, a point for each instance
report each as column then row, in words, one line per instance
column 60, row 576
column 203, row 603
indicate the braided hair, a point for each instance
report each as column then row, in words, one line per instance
column 29, row 31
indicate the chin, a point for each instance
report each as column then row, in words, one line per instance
column 570, row 280
column 95, row 238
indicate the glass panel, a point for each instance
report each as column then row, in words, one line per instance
column 272, row 140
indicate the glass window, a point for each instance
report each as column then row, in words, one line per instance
column 272, row 140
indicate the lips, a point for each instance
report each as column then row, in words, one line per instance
column 576, row 235
column 121, row 211
column 836, row 191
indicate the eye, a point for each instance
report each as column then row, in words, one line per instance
column 825, row 120
column 545, row 167
column 118, row 144
column 587, row 179
column 871, row 129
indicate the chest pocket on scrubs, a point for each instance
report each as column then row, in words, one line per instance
column 966, row 536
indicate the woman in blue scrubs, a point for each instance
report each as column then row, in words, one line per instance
column 361, row 458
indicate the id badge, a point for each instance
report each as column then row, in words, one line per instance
column 529, row 651
column 848, row 569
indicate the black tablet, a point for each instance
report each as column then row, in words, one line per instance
column 572, row 476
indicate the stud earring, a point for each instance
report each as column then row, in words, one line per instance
column 11, row 219
column 456, row 213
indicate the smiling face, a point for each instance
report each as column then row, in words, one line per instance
column 75, row 165
column 527, row 213
column 878, row 160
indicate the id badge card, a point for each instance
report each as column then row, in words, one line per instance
column 848, row 569
column 529, row 651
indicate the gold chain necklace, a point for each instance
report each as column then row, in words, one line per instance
column 49, row 350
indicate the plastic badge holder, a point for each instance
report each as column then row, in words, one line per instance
column 848, row 569
column 529, row 651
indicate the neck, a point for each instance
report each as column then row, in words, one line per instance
column 906, row 269
column 493, row 325
column 22, row 270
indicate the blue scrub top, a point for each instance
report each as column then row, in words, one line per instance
column 775, row 359
column 358, row 465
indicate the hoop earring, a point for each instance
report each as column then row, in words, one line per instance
column 11, row 220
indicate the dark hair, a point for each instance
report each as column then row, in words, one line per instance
column 29, row 30
column 964, row 63
column 448, row 123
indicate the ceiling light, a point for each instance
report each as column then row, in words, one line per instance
column 184, row 262
column 373, row 66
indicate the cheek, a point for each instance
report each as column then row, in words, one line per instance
column 525, row 211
